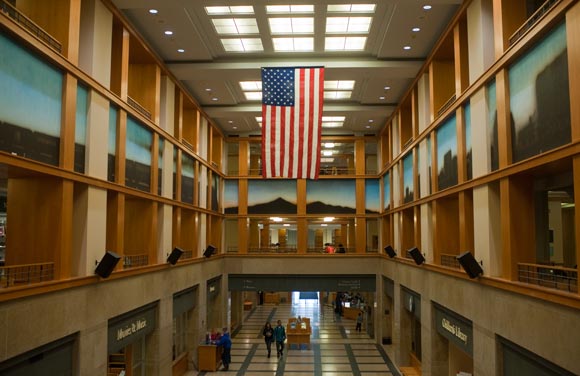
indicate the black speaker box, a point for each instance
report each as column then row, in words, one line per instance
column 470, row 264
column 107, row 264
column 210, row 250
column 390, row 251
column 416, row 255
column 174, row 255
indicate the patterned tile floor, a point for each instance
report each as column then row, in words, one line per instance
column 336, row 348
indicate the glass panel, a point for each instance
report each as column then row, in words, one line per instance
column 337, row 158
column 372, row 196
column 539, row 98
column 231, row 197
column 492, row 125
column 27, row 83
column 138, row 160
column 468, row 158
column 325, row 235
column 81, row 128
column 187, row 178
column 372, row 232
column 408, row 186
column 160, row 165
column 447, row 154
column 112, row 145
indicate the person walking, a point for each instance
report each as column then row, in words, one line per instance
column 268, row 334
column 279, row 337
column 359, row 321
column 226, row 342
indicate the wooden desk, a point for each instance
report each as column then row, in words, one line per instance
column 350, row 313
column 298, row 339
column 270, row 297
column 248, row 306
column 209, row 357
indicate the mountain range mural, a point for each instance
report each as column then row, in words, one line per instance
column 330, row 196
column 278, row 206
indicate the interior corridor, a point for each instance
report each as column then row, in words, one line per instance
column 336, row 348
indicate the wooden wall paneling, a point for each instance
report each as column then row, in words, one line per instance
column 405, row 123
column 573, row 45
column 387, row 231
column 414, row 113
column 216, row 147
column 59, row 19
column 152, row 223
column 408, row 229
column 466, row 229
column 243, row 197
column 417, row 224
column 360, row 196
column 178, row 115
column 139, row 227
column 461, row 56
column 441, row 83
column 301, row 196
column 243, row 157
column 517, row 224
column 508, row 16
column 68, row 120
column 189, row 122
column 196, row 131
column 144, row 85
column 119, row 60
column 188, row 230
column 360, row 234
column 39, row 225
column 504, row 134
column 446, row 227
column 359, row 156
column 243, row 235
column 254, row 234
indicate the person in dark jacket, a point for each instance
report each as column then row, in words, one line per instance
column 280, row 337
column 226, row 342
column 268, row 334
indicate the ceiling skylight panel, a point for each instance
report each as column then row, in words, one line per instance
column 337, row 94
column 350, row 8
column 333, row 118
column 251, row 85
column 253, row 95
column 287, row 9
column 235, row 26
column 242, row 45
column 295, row 25
column 344, row 43
column 343, row 25
column 222, row 10
column 339, row 85
column 293, row 44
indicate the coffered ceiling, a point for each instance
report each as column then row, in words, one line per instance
column 371, row 51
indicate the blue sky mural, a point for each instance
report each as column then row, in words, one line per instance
column 338, row 196
column 387, row 191
column 372, row 196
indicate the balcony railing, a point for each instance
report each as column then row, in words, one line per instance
column 534, row 18
column 133, row 261
column 554, row 277
column 450, row 261
column 272, row 250
column 29, row 25
column 26, row 274
column 136, row 106
column 187, row 255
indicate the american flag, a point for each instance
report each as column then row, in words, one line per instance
column 291, row 122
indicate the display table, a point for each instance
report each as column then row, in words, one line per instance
column 350, row 313
column 248, row 306
column 209, row 357
column 298, row 334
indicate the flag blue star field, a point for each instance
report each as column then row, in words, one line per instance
column 291, row 122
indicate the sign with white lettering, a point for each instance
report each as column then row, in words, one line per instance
column 129, row 327
column 455, row 328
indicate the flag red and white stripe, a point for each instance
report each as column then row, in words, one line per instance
column 291, row 127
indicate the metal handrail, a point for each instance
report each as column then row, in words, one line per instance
column 29, row 25
column 532, row 20
column 550, row 276
column 133, row 261
column 26, row 274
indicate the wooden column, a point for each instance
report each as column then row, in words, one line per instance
column 67, row 130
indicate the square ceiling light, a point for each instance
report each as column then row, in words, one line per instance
column 293, row 44
column 222, row 10
column 337, row 94
column 235, row 26
column 253, row 95
column 339, row 85
column 251, row 85
column 242, row 45
column 293, row 25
